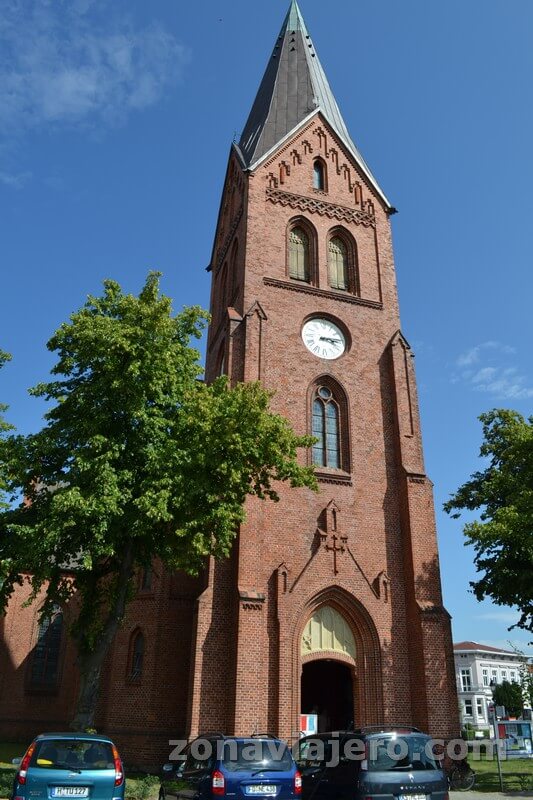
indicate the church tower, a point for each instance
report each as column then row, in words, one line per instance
column 331, row 601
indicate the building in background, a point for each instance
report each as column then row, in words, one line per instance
column 477, row 666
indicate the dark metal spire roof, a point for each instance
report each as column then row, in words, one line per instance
column 293, row 87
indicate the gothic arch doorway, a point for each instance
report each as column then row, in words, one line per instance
column 328, row 692
column 328, row 675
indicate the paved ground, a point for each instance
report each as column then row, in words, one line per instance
column 487, row 795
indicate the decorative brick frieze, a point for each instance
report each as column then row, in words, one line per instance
column 315, row 205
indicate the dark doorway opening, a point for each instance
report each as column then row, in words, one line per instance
column 327, row 690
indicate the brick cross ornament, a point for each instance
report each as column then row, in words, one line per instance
column 336, row 548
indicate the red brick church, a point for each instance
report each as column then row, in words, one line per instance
column 331, row 602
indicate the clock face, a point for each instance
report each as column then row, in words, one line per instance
column 323, row 338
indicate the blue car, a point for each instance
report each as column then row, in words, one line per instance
column 379, row 762
column 232, row 767
column 69, row 765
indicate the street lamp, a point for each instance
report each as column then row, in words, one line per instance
column 492, row 707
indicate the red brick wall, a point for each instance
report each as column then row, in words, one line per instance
column 223, row 652
column 385, row 503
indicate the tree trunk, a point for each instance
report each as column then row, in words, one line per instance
column 91, row 663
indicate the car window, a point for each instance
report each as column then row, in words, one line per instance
column 256, row 754
column 72, row 754
column 200, row 758
column 400, row 753
column 313, row 752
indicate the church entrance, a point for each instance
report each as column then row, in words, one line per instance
column 328, row 691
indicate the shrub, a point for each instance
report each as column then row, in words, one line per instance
column 142, row 788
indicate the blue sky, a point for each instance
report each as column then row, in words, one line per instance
column 116, row 118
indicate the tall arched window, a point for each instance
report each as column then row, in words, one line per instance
column 325, row 428
column 299, row 255
column 136, row 656
column 146, row 579
column 338, row 263
column 44, row 671
column 319, row 176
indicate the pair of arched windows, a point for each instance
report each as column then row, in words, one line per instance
column 341, row 253
column 329, row 426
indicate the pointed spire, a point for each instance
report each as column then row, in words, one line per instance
column 294, row 86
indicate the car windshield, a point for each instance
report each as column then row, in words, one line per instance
column 72, row 754
column 400, row 753
column 256, row 756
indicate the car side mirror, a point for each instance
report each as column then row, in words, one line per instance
column 16, row 761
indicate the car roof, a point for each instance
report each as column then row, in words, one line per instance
column 253, row 738
column 373, row 730
column 73, row 735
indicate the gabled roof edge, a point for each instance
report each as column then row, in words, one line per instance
column 348, row 145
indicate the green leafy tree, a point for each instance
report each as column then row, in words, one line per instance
column 138, row 459
column 503, row 536
column 4, row 428
column 509, row 695
column 526, row 674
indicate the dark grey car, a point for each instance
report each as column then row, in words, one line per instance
column 389, row 763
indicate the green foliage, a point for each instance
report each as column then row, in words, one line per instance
column 6, row 782
column 138, row 459
column 526, row 674
column 509, row 695
column 143, row 788
column 503, row 536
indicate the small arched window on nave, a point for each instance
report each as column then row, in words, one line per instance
column 136, row 656
column 44, row 672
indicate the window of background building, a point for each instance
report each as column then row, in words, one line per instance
column 466, row 680
column 468, row 708
column 479, row 708
column 485, row 674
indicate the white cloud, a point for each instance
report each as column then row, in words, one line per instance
column 64, row 62
column 15, row 181
column 473, row 355
column 507, row 616
column 497, row 377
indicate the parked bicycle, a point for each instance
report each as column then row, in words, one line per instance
column 461, row 776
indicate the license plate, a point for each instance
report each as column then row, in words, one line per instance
column 70, row 791
column 412, row 797
column 265, row 789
